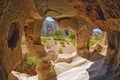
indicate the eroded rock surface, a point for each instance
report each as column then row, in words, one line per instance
column 79, row 15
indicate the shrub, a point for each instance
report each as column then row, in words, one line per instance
column 71, row 36
column 44, row 39
column 63, row 45
column 48, row 38
column 62, row 42
column 67, row 42
column 47, row 45
column 28, row 64
column 60, row 50
column 95, row 39
column 73, row 42
column 58, row 34
column 55, row 42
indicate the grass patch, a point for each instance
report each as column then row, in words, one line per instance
column 48, row 46
column 44, row 39
column 71, row 36
column 28, row 64
column 55, row 42
column 60, row 50
column 62, row 43
column 68, row 42
column 73, row 42
column 93, row 40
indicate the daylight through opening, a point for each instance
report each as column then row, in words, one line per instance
column 98, row 42
column 56, row 40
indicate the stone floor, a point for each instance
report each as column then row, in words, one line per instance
column 78, row 69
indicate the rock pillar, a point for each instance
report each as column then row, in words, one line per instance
column 10, row 47
column 44, row 69
column 83, row 41
column 113, row 56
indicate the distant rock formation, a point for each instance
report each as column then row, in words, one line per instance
column 48, row 26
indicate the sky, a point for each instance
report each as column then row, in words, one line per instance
column 49, row 19
column 96, row 30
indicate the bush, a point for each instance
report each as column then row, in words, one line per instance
column 67, row 42
column 60, row 50
column 55, row 42
column 58, row 34
column 95, row 39
column 73, row 42
column 62, row 43
column 91, row 42
column 47, row 45
column 28, row 64
column 44, row 39
column 71, row 36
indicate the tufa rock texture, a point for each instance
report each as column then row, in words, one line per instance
column 81, row 16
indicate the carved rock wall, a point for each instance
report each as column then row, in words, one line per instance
column 15, row 16
column 79, row 15
column 113, row 56
column 44, row 69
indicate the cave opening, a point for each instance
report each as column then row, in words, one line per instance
column 98, row 43
column 13, row 35
column 28, row 62
column 57, row 40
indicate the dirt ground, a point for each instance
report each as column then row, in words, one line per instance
column 78, row 69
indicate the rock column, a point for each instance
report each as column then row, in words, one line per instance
column 113, row 56
column 45, row 69
column 83, row 41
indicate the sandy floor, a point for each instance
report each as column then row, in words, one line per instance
column 67, row 49
column 78, row 69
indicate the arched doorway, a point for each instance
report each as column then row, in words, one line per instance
column 57, row 40
column 97, row 43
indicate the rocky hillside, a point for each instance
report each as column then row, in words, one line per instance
column 48, row 26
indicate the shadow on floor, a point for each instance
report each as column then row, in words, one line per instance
column 98, row 69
